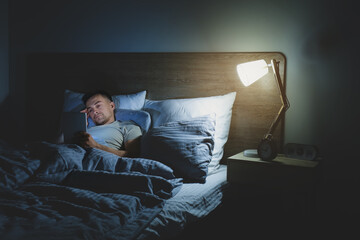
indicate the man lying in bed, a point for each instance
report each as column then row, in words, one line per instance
column 120, row 138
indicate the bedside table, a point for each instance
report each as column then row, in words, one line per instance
column 282, row 187
column 271, row 196
column 281, row 173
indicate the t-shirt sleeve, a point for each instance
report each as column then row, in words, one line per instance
column 132, row 132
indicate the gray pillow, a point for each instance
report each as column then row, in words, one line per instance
column 185, row 146
column 171, row 110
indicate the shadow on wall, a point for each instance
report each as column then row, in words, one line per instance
column 324, row 42
column 330, row 51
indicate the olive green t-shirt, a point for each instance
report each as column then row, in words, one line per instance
column 115, row 134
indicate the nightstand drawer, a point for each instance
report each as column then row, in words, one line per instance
column 282, row 172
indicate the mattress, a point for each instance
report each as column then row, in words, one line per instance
column 193, row 202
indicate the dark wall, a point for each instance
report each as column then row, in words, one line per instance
column 4, row 51
column 4, row 66
column 319, row 39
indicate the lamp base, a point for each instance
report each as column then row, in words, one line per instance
column 251, row 153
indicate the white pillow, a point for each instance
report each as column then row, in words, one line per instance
column 135, row 101
column 163, row 111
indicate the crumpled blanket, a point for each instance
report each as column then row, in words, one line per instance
column 67, row 192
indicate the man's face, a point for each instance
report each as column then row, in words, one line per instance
column 100, row 109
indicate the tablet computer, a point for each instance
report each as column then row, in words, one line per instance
column 73, row 122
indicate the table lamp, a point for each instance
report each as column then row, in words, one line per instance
column 249, row 73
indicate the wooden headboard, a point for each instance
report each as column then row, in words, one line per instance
column 164, row 76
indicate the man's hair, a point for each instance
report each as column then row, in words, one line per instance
column 89, row 95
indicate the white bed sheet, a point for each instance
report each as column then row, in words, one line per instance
column 193, row 202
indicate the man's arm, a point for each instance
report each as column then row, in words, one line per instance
column 132, row 147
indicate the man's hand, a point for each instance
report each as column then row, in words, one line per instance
column 85, row 140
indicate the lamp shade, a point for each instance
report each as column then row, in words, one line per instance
column 250, row 72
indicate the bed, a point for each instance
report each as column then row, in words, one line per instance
column 194, row 113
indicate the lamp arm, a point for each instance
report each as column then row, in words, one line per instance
column 284, row 100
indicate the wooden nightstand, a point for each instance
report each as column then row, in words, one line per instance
column 270, row 198
column 282, row 172
column 291, row 183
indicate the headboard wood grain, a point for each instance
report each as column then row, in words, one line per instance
column 164, row 76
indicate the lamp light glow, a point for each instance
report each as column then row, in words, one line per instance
column 250, row 72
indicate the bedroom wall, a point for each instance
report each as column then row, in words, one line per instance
column 4, row 51
column 318, row 38
column 4, row 65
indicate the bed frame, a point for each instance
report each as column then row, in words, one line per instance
column 164, row 76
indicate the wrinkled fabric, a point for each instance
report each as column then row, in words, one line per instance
column 76, row 193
